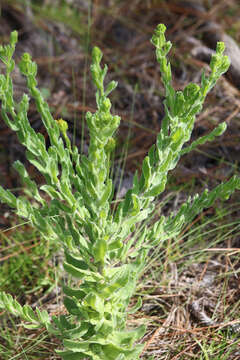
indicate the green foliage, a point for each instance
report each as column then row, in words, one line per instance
column 37, row 319
column 18, row 270
column 96, row 239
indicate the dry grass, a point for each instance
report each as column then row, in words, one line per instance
column 191, row 289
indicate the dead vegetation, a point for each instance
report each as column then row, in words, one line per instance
column 191, row 290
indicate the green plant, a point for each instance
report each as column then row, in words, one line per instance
column 99, row 249
column 35, row 270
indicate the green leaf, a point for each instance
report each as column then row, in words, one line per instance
column 106, row 194
column 136, row 205
column 110, row 87
column 51, row 191
column 29, row 314
column 95, row 302
column 118, row 278
column 70, row 292
column 24, row 208
column 43, row 316
column 151, row 155
column 116, row 244
column 96, row 55
column 112, row 352
column 99, row 250
column 218, row 131
column 73, row 260
column 13, row 38
column 71, row 306
column 146, row 168
column 76, row 345
column 7, row 197
column 155, row 190
column 69, row 355
column 32, row 189
column 80, row 274
column 128, row 338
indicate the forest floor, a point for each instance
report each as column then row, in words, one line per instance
column 191, row 287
